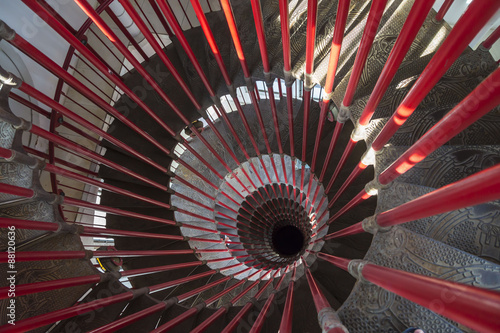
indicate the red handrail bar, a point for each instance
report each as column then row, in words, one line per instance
column 358, row 169
column 169, row 284
column 479, row 102
column 61, row 162
column 327, row 317
column 59, row 28
column 161, row 18
column 285, row 35
column 58, row 71
column 460, row 36
column 226, row 6
column 261, row 36
column 90, row 181
column 215, row 50
column 121, row 62
column 29, row 90
column 17, row 191
column 444, row 9
column 413, row 22
column 289, row 105
column 470, row 23
column 479, row 188
column 38, row 287
column 338, row 35
column 286, row 319
column 495, row 35
column 210, row 320
column 259, row 322
column 62, row 255
column 474, row 307
column 48, row 115
column 192, row 311
column 375, row 15
column 32, row 323
column 54, row 316
column 87, row 152
column 90, row 12
column 336, row 133
column 159, row 51
column 345, row 155
column 124, row 31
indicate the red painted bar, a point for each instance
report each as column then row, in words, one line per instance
column 87, row 152
column 289, row 104
column 305, row 125
column 211, row 40
column 473, row 307
column 161, row 18
column 236, row 320
column 414, row 21
column 479, row 102
column 228, row 12
column 286, row 319
column 312, row 16
column 345, row 155
column 169, row 284
column 320, row 301
column 210, row 320
column 444, row 9
column 27, row 224
column 285, row 36
column 337, row 261
column 360, row 197
column 354, row 229
column 16, row 190
column 68, row 174
column 169, row 15
column 354, row 174
column 495, row 35
column 158, row 49
column 333, row 142
column 32, row 323
column 481, row 187
column 125, row 321
column 192, row 311
column 259, row 322
column 116, row 211
column 59, row 28
column 59, row 161
column 51, row 66
column 124, row 31
column 91, row 13
column 261, row 36
column 369, row 33
column 39, row 287
column 93, row 231
column 470, row 23
column 338, row 35
column 122, row 63
column 29, row 90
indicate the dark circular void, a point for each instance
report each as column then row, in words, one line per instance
column 287, row 240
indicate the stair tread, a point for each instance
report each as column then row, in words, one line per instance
column 469, row 229
column 445, row 165
column 405, row 250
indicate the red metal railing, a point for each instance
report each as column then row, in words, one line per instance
column 473, row 307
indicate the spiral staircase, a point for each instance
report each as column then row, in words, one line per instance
column 248, row 223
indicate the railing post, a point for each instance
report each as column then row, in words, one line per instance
column 474, row 307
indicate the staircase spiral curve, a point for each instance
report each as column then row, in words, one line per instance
column 299, row 166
